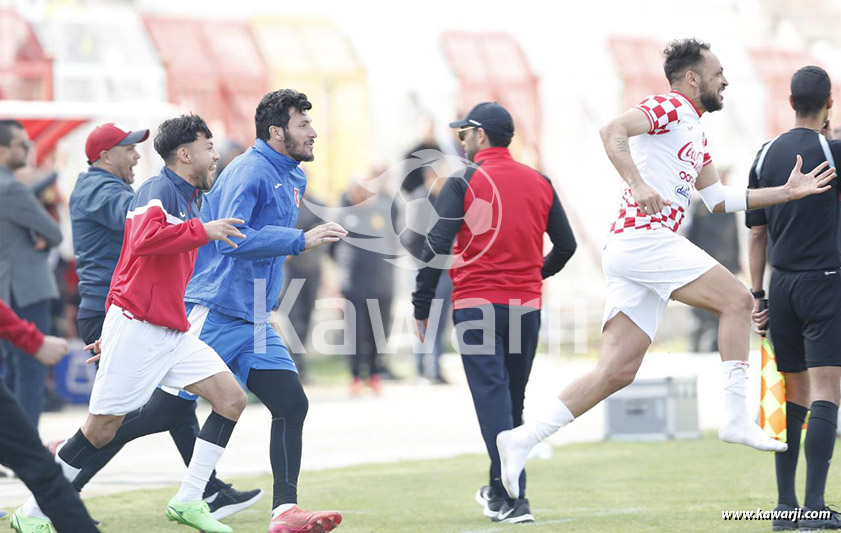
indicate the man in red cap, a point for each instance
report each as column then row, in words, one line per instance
column 112, row 146
column 98, row 207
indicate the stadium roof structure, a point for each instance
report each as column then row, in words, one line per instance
column 214, row 69
column 25, row 70
column 493, row 67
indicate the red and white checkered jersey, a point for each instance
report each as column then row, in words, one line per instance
column 669, row 159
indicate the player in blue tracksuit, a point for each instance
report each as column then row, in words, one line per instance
column 231, row 294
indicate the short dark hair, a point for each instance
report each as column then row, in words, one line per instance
column 810, row 88
column 501, row 141
column 273, row 110
column 6, row 127
column 682, row 55
column 177, row 131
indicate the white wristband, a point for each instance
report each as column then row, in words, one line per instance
column 734, row 199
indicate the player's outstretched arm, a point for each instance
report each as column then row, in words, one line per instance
column 720, row 198
column 615, row 135
column 799, row 185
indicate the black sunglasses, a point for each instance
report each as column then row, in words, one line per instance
column 462, row 133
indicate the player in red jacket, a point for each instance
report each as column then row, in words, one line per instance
column 145, row 341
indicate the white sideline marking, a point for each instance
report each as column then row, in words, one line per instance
column 592, row 511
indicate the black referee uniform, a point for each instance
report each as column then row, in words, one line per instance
column 805, row 306
column 805, row 290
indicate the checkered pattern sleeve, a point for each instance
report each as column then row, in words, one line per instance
column 661, row 111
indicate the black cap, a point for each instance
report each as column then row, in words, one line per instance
column 491, row 117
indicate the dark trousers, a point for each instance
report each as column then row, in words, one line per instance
column 363, row 360
column 25, row 376
column 498, row 343
column 163, row 412
column 22, row 451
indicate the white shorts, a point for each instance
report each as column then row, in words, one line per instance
column 137, row 356
column 642, row 270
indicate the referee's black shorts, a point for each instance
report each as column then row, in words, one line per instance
column 806, row 319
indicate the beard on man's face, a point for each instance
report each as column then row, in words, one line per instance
column 710, row 99
column 297, row 151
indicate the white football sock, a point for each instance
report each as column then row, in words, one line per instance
column 205, row 457
column 514, row 445
column 737, row 426
column 280, row 509
column 31, row 508
column 735, row 381
column 555, row 416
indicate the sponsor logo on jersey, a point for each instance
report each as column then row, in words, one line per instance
column 688, row 154
column 683, row 190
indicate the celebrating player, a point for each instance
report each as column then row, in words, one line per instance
column 646, row 262
column 98, row 206
column 233, row 289
column 228, row 311
column 144, row 338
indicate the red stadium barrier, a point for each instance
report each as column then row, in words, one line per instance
column 640, row 64
column 775, row 68
column 25, row 71
column 214, row 69
column 493, row 67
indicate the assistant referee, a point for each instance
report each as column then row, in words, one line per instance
column 805, row 292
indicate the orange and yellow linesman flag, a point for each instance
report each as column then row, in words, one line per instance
column 772, row 399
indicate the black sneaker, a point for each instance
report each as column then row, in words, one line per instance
column 229, row 501
column 517, row 513
column 490, row 502
column 785, row 524
column 833, row 522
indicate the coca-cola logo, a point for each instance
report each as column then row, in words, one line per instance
column 688, row 154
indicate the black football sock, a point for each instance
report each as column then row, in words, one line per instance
column 281, row 391
column 786, row 462
column 77, row 450
column 820, row 441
